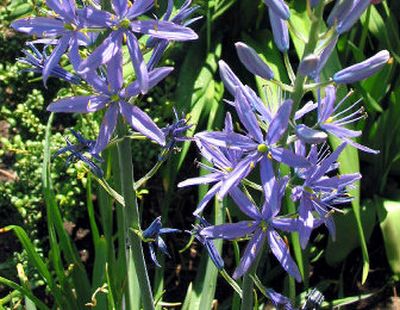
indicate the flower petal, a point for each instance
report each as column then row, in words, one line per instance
column 280, row 122
column 107, row 128
column 281, row 252
column 289, row 158
column 79, row 104
column 326, row 106
column 120, row 7
column 141, row 122
column 103, row 53
column 227, row 140
column 142, row 75
column 250, row 59
column 244, row 204
column 230, row 80
column 163, row 30
column 65, row 8
column 229, row 231
column 252, row 249
column 114, row 70
column 155, row 76
column 55, row 56
column 40, row 26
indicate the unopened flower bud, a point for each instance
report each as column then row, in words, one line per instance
column 250, row 59
column 279, row 7
column 280, row 31
column 340, row 11
column 363, row 69
column 356, row 11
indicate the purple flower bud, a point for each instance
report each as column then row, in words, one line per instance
column 309, row 135
column 309, row 65
column 279, row 7
column 363, row 69
column 280, row 31
column 326, row 54
column 250, row 59
column 339, row 11
column 356, row 11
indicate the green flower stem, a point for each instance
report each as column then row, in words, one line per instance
column 135, row 251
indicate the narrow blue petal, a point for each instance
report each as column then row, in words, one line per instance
column 142, row 75
column 107, row 128
column 103, row 53
column 40, row 26
column 244, row 204
column 280, row 122
column 141, row 122
column 155, row 76
column 281, row 252
column 252, row 249
column 229, row 231
column 79, row 104
column 163, row 30
column 55, row 56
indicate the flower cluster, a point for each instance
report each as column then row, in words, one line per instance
column 98, row 60
column 290, row 154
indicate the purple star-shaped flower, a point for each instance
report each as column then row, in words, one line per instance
column 332, row 119
column 262, row 226
column 65, row 28
column 255, row 144
column 224, row 160
column 112, row 95
column 123, row 25
column 151, row 235
column 319, row 192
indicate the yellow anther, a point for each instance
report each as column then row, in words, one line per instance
column 329, row 120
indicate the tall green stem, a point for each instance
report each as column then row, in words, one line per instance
column 135, row 257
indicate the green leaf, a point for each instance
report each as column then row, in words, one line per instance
column 24, row 292
column 337, row 251
column 389, row 218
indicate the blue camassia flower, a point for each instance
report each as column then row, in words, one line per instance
column 151, row 235
column 65, row 29
column 37, row 60
column 261, row 227
column 255, row 144
column 319, row 193
column 223, row 160
column 112, row 95
column 78, row 150
column 122, row 25
column 332, row 120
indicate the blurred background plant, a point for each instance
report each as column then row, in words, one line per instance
column 195, row 89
